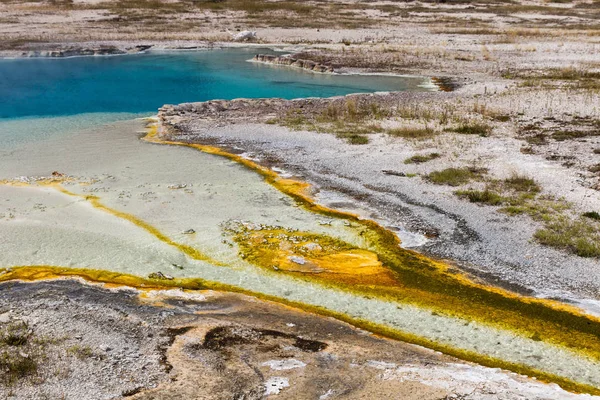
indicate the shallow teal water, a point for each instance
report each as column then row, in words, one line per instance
column 143, row 82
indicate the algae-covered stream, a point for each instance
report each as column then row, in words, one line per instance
column 121, row 209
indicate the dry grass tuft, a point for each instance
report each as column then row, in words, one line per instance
column 456, row 176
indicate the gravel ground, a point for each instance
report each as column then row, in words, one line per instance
column 100, row 343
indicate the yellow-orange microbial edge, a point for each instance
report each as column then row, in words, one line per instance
column 95, row 201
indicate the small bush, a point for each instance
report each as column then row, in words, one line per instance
column 537, row 139
column 357, row 139
column 294, row 119
column 14, row 334
column 513, row 210
column 412, row 133
column 501, row 117
column 527, row 150
column 592, row 215
column 454, row 176
column 16, row 365
column 351, row 112
column 577, row 236
column 419, row 159
column 473, row 128
column 18, row 354
column 81, row 352
column 522, row 184
column 487, row 196
column 540, row 208
column 561, row 136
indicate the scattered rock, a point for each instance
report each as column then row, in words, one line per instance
column 244, row 36
column 312, row 247
column 178, row 186
column 276, row 384
column 297, row 260
column 283, row 365
column 160, row 275
column 5, row 318
column 395, row 173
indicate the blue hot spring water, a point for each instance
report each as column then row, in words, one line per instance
column 103, row 89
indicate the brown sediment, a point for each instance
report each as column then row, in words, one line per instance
column 445, row 84
column 226, row 336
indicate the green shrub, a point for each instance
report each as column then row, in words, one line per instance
column 522, row 184
column 592, row 215
column 454, row 176
column 18, row 354
column 419, row 159
column 537, row 139
column 487, row 196
column 563, row 135
column 412, row 133
column 357, row 139
column 576, row 236
column 14, row 334
column 15, row 365
column 473, row 128
column 501, row 117
column 81, row 352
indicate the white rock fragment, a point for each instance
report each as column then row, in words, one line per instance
column 326, row 395
column 243, row 35
column 178, row 186
column 380, row 364
column 284, row 365
column 312, row 247
column 297, row 260
column 160, row 275
column 5, row 318
column 176, row 294
column 276, row 384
